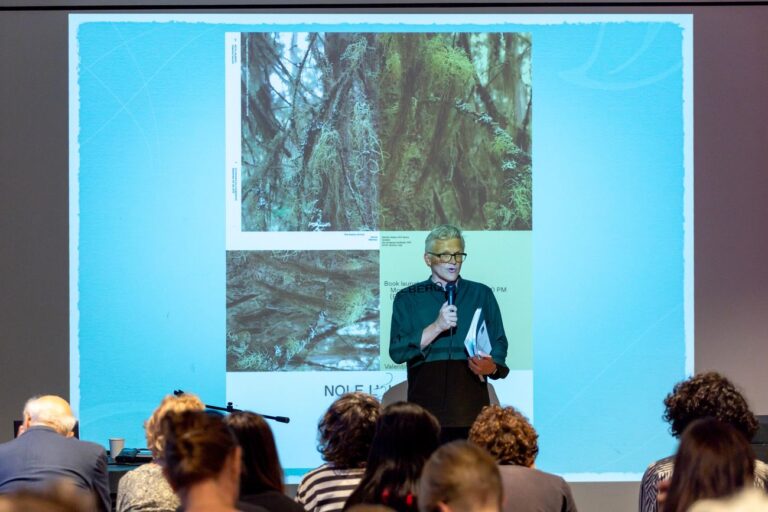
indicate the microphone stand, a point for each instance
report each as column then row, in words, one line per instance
column 230, row 409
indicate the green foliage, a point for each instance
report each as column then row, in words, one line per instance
column 393, row 67
column 354, row 131
column 325, row 157
column 294, row 346
column 503, row 145
column 448, row 67
column 454, row 147
column 413, row 156
column 355, row 52
column 520, row 197
column 350, row 305
column 255, row 361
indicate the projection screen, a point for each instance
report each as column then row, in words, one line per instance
column 248, row 192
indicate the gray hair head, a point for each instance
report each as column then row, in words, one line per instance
column 50, row 411
column 443, row 232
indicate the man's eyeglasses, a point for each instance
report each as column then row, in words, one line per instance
column 447, row 257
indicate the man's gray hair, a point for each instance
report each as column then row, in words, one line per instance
column 443, row 232
column 43, row 412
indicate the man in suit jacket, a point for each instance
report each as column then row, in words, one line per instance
column 46, row 451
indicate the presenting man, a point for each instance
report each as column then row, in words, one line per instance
column 431, row 321
column 46, row 452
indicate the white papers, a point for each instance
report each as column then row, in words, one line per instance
column 477, row 341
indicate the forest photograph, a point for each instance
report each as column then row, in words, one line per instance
column 385, row 131
column 302, row 310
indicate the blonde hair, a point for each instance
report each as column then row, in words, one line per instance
column 171, row 403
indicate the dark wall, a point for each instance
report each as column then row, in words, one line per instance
column 34, row 255
column 731, row 196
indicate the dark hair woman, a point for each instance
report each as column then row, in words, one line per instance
column 201, row 461
column 261, row 482
column 714, row 460
column 406, row 435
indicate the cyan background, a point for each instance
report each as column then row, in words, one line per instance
column 609, row 302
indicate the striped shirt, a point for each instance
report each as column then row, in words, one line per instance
column 326, row 489
column 662, row 469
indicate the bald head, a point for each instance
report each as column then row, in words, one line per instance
column 49, row 411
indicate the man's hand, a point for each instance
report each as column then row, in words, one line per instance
column 447, row 317
column 482, row 365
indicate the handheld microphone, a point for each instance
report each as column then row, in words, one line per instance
column 450, row 290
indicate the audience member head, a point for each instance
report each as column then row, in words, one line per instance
column 346, row 430
column 171, row 403
column 62, row 496
column 406, row 435
column 708, row 395
column 714, row 460
column 200, row 456
column 460, row 477
column 261, row 464
column 49, row 411
column 506, row 434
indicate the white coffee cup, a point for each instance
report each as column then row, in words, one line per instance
column 116, row 445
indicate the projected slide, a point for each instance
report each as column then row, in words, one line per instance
column 248, row 193
column 344, row 150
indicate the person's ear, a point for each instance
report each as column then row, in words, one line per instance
column 27, row 421
column 428, row 259
column 237, row 462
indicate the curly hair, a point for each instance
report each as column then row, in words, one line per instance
column 506, row 434
column 346, row 430
column 170, row 403
column 708, row 395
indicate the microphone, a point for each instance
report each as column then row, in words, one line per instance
column 230, row 409
column 450, row 290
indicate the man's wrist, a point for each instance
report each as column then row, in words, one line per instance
column 429, row 334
